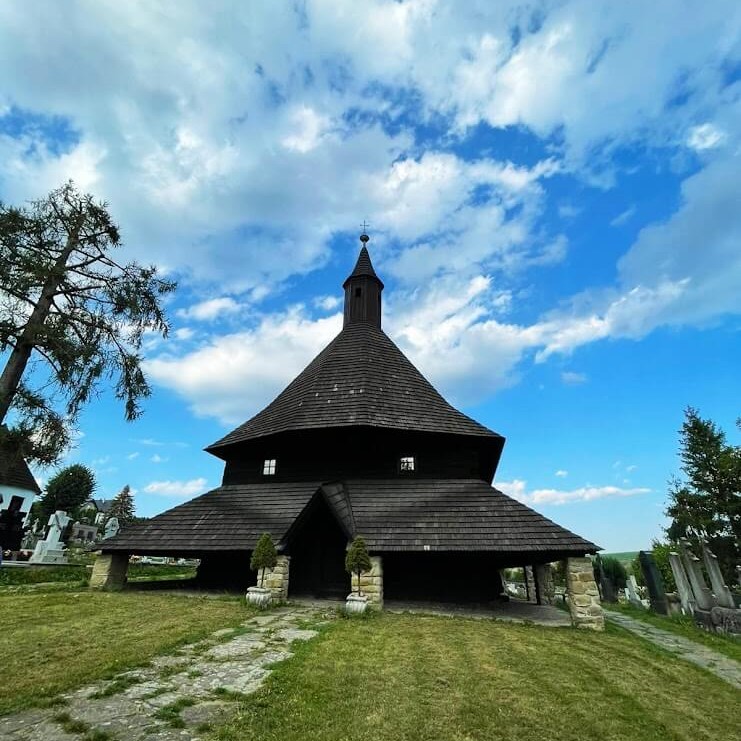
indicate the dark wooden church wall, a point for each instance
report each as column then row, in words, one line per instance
column 441, row 576
column 355, row 454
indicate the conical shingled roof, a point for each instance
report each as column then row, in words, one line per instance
column 360, row 378
column 363, row 267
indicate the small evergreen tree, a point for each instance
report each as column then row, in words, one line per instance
column 122, row 506
column 264, row 556
column 357, row 559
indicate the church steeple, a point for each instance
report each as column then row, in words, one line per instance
column 363, row 290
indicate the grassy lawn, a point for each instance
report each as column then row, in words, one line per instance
column 684, row 626
column 56, row 641
column 79, row 574
column 412, row 677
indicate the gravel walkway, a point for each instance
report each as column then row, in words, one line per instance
column 722, row 666
column 179, row 695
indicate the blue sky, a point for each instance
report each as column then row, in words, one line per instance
column 553, row 195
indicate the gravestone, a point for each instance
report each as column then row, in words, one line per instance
column 632, row 590
column 654, row 583
column 703, row 597
column 111, row 528
column 722, row 593
column 683, row 585
column 51, row 549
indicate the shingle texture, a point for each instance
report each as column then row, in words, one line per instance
column 15, row 472
column 227, row 518
column 363, row 267
column 392, row 515
column 360, row 378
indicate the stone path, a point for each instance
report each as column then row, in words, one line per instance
column 178, row 695
column 722, row 666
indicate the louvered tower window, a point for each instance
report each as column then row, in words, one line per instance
column 268, row 467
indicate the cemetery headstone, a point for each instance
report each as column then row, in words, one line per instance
column 722, row 593
column 683, row 585
column 51, row 549
column 632, row 590
column 111, row 528
column 703, row 597
column 654, row 583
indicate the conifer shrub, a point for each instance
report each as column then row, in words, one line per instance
column 357, row 559
column 264, row 556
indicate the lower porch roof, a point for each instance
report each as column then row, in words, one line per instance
column 392, row 515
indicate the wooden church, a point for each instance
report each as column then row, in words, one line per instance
column 359, row 443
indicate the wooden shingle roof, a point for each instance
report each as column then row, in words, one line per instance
column 392, row 515
column 360, row 378
column 14, row 471
column 363, row 268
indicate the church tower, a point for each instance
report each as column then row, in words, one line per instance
column 363, row 290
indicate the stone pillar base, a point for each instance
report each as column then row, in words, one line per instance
column 276, row 579
column 371, row 582
column 544, row 579
column 530, row 583
column 583, row 595
column 109, row 571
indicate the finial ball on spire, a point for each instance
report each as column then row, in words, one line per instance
column 364, row 238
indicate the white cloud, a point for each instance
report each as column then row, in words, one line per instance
column 561, row 473
column 571, row 378
column 232, row 376
column 176, row 488
column 308, row 128
column 624, row 216
column 705, row 136
column 132, row 456
column 158, row 459
column 327, row 303
column 184, row 333
column 517, row 489
column 210, row 309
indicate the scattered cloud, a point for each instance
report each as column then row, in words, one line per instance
column 132, row 456
column 561, row 473
column 572, row 378
column 177, row 488
column 517, row 489
column 327, row 303
column 158, row 459
column 206, row 311
column 705, row 136
column 624, row 217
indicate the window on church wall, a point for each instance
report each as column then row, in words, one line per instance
column 268, row 467
column 357, row 292
column 407, row 464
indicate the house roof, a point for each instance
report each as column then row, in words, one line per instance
column 392, row 515
column 14, row 471
column 360, row 378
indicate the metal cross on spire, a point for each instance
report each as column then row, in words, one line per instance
column 364, row 236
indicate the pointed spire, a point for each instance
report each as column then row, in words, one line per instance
column 363, row 290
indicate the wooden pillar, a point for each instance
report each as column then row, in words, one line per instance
column 109, row 571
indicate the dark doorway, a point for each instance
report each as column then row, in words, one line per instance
column 317, row 549
column 441, row 577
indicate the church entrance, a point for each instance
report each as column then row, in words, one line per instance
column 317, row 549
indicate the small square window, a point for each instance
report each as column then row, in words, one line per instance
column 268, row 467
column 357, row 293
column 407, row 464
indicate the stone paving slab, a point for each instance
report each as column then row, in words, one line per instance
column 230, row 660
column 722, row 666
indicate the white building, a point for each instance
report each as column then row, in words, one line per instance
column 18, row 489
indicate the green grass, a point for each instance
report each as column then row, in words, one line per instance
column 684, row 626
column 412, row 677
column 16, row 575
column 79, row 574
column 171, row 713
column 54, row 642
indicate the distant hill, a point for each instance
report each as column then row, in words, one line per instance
column 625, row 557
